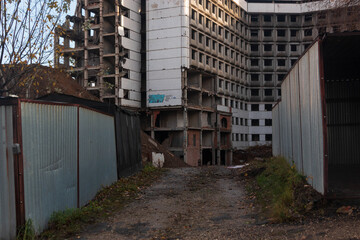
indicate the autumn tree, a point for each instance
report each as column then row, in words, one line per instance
column 26, row 38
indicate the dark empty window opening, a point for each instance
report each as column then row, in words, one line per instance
column 254, row 62
column 308, row 32
column 254, row 77
column 224, row 123
column 254, row 122
column 254, row 92
column 254, row 47
column 308, row 17
column 268, row 107
column 254, row 33
column 294, row 48
column 281, row 62
column 268, row 62
column 281, row 33
column 281, row 47
column 254, row 18
column 293, row 33
column 254, row 107
column 268, row 122
column 267, row 18
column 281, row 18
column 255, row 137
column 268, row 137
column 267, row 47
column 267, row 33
column 268, row 92
column 293, row 18
column 280, row 77
column 268, row 77
column 194, row 140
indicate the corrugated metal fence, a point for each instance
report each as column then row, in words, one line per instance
column 7, row 184
column 68, row 154
column 298, row 119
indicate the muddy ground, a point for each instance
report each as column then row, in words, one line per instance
column 209, row 203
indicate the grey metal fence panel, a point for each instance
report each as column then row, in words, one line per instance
column 276, row 148
column 128, row 142
column 49, row 135
column 317, row 137
column 7, row 185
column 305, row 102
column 296, row 119
column 300, row 118
column 97, row 153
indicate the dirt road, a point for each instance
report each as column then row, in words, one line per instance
column 208, row 203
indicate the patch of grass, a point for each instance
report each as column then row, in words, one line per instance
column 107, row 202
column 275, row 190
column 26, row 232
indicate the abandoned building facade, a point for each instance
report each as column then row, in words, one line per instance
column 204, row 73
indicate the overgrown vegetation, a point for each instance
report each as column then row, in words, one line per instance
column 275, row 189
column 107, row 202
column 27, row 231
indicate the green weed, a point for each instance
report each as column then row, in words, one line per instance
column 276, row 189
column 26, row 232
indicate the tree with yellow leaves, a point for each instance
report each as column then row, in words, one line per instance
column 26, row 38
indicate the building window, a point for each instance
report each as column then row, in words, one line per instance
column 254, row 33
column 268, row 137
column 255, row 137
column 308, row 17
column 267, row 47
column 294, row 48
column 254, row 18
column 268, row 77
column 201, row 19
column 254, row 77
column 280, row 77
column 308, row 32
column 293, row 61
column 281, row 62
column 193, row 54
column 254, row 62
column 268, row 107
column 281, row 47
column 281, row 18
column 279, row 92
column 255, row 92
column 293, row 18
column 268, row 92
column 293, row 33
column 254, row 122
column 267, row 33
column 193, row 14
column 201, row 36
column 268, row 122
column 281, row 33
column 267, row 18
column 254, row 47
column 268, row 62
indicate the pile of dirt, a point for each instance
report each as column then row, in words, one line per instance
column 149, row 145
column 241, row 156
column 45, row 80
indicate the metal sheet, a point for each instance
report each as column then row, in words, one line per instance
column 296, row 119
column 128, row 142
column 7, row 185
column 50, row 160
column 276, row 145
column 97, row 153
column 300, row 118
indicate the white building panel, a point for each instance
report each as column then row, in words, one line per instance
column 166, row 53
column 130, row 103
column 171, row 42
column 164, row 74
column 170, row 22
column 131, row 24
column 170, row 83
column 136, row 56
column 132, row 5
column 130, row 84
column 130, row 44
column 165, row 13
column 164, row 98
column 170, row 63
column 135, row 76
column 136, row 37
column 132, row 65
column 168, row 33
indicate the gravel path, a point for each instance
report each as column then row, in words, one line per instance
column 208, row 203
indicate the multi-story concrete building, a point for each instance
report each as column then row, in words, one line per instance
column 206, row 71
